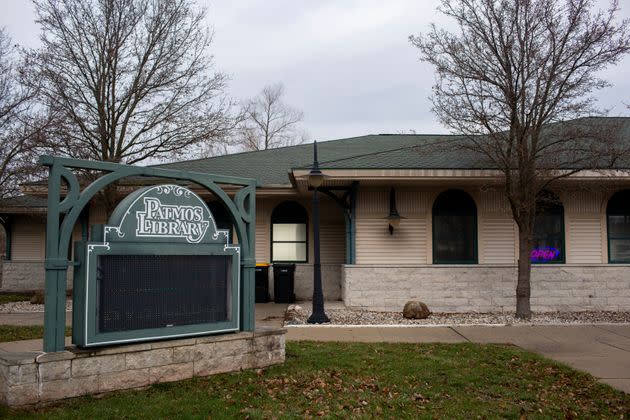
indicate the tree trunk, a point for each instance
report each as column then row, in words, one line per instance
column 108, row 198
column 523, row 285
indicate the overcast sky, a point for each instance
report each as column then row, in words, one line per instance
column 346, row 63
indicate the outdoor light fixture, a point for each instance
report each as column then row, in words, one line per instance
column 315, row 180
column 393, row 219
column 315, row 176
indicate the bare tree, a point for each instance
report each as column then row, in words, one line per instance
column 508, row 78
column 268, row 122
column 21, row 126
column 132, row 79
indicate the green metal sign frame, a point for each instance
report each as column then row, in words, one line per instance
column 64, row 213
column 161, row 220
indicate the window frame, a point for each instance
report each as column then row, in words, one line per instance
column 608, row 237
column 475, row 229
column 292, row 222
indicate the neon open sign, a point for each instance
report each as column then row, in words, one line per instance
column 544, row 254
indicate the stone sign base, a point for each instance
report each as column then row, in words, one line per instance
column 36, row 378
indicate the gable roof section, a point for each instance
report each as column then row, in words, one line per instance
column 23, row 204
column 383, row 151
column 271, row 167
column 24, row 201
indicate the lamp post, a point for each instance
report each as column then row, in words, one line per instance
column 315, row 180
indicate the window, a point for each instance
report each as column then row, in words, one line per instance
column 548, row 240
column 618, row 220
column 289, row 238
column 454, row 228
column 221, row 217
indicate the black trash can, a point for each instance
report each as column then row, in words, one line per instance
column 262, row 283
column 283, row 281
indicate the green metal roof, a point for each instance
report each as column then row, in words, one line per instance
column 271, row 167
column 383, row 151
column 23, row 201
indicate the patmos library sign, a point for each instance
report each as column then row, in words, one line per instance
column 159, row 269
column 171, row 221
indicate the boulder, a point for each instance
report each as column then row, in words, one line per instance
column 38, row 298
column 416, row 310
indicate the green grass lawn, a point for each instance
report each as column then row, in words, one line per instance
column 16, row 333
column 369, row 380
column 13, row 297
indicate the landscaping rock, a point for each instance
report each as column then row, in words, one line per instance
column 349, row 316
column 416, row 310
column 26, row 306
column 38, row 298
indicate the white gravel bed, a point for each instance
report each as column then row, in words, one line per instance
column 296, row 316
column 26, row 306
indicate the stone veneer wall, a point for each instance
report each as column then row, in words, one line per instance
column 20, row 276
column 486, row 288
column 303, row 287
column 23, row 276
column 35, row 378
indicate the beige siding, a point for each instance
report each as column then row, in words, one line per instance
column 583, row 239
column 408, row 244
column 28, row 239
column 333, row 240
column 499, row 240
column 497, row 231
column 583, row 226
column 376, row 246
column 585, row 235
column 262, row 231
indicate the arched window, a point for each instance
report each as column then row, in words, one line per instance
column 221, row 217
column 618, row 219
column 454, row 228
column 548, row 240
column 289, row 233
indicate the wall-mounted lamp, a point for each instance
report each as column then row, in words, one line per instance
column 393, row 219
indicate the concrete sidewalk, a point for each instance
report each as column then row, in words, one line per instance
column 267, row 314
column 601, row 350
column 29, row 318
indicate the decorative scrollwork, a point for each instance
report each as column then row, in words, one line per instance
column 216, row 234
column 73, row 191
column 90, row 248
column 163, row 189
column 116, row 229
column 235, row 248
column 241, row 200
column 175, row 189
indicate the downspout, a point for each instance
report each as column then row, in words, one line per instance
column 352, row 234
column 348, row 224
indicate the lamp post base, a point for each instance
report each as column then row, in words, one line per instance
column 317, row 318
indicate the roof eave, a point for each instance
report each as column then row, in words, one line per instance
column 23, row 210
